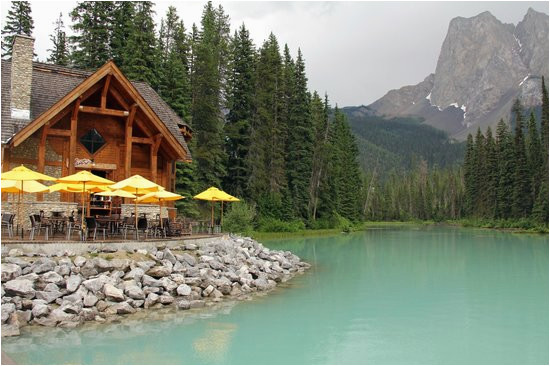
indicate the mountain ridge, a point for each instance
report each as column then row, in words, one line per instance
column 483, row 66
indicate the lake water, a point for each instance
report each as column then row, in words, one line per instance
column 428, row 295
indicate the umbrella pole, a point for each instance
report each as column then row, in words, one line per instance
column 160, row 214
column 212, row 217
column 221, row 219
column 135, row 212
column 19, row 219
column 82, row 216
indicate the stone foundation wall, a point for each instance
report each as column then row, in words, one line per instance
column 33, row 207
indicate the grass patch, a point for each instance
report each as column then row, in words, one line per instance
column 523, row 225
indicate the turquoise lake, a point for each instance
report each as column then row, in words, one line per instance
column 398, row 295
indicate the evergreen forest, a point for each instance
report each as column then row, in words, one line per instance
column 296, row 160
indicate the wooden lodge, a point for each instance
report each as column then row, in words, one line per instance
column 58, row 120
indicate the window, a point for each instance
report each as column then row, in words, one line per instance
column 92, row 141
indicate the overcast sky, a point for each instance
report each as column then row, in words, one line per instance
column 355, row 51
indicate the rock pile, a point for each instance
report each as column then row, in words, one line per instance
column 65, row 291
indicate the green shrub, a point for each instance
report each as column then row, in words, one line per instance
column 239, row 218
column 270, row 224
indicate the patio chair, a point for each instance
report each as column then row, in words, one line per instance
column 91, row 224
column 74, row 225
column 141, row 226
column 36, row 226
column 169, row 228
column 7, row 222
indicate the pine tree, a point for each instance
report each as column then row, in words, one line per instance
column 480, row 175
column 491, row 175
column 18, row 21
column 534, row 158
column 300, row 141
column 506, row 170
column 174, row 49
column 140, row 53
column 470, row 176
column 91, row 44
column 266, row 157
column 207, row 100
column 241, row 111
column 522, row 187
column 123, row 17
column 59, row 54
column 540, row 210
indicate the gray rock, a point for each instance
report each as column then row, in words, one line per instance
column 63, row 270
column 148, row 290
column 79, row 261
column 150, row 281
column 168, row 284
column 193, row 281
column 7, row 309
column 109, row 248
column 102, row 265
column 90, row 299
column 71, row 307
column 178, row 268
column 96, row 284
column 39, row 310
column 166, row 299
column 48, row 296
column 145, row 265
column 183, row 305
column 88, row 269
column 42, row 265
column 19, row 261
column 214, row 264
column 51, row 287
column 12, row 327
column 169, row 256
column 183, row 290
column 134, row 292
column 59, row 315
column 88, row 314
column 53, row 277
column 73, row 282
column 33, row 277
column 121, row 264
column 142, row 251
column 73, row 298
column 177, row 278
column 207, row 291
column 121, row 308
column 159, row 271
column 10, row 271
column 113, row 293
column 151, row 299
column 102, row 305
column 20, row 287
column 190, row 246
column 24, row 316
column 216, row 294
column 159, row 255
column 134, row 274
column 45, row 321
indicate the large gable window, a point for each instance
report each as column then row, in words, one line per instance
column 92, row 141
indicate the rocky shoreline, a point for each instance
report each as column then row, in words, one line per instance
column 65, row 290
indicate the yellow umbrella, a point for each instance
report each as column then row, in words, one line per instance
column 77, row 188
column 137, row 185
column 23, row 174
column 117, row 193
column 31, row 186
column 159, row 196
column 83, row 177
column 214, row 194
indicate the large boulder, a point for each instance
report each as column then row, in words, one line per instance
column 20, row 262
column 48, row 296
column 168, row 284
column 134, row 292
column 113, row 293
column 120, row 308
column 134, row 274
column 7, row 309
column 169, row 256
column 151, row 299
column 159, row 271
column 10, row 271
column 166, row 299
column 96, row 284
column 20, row 287
column 183, row 290
column 79, row 261
column 121, row 264
column 73, row 282
column 53, row 277
column 90, row 299
column 150, row 281
column 42, row 265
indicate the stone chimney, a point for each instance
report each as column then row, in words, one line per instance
column 21, row 76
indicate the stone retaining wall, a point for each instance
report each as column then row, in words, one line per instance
column 34, row 207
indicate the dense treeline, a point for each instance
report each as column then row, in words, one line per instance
column 506, row 176
column 258, row 132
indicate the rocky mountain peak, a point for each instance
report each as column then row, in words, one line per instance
column 483, row 66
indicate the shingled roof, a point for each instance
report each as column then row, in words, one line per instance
column 50, row 83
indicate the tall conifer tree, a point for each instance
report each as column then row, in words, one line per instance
column 59, row 53
column 18, row 21
column 522, row 188
column 490, row 168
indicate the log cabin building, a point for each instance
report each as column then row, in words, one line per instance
column 59, row 120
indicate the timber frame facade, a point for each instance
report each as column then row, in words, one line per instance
column 98, row 121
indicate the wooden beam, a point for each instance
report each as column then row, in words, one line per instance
column 128, row 141
column 142, row 140
column 91, row 91
column 154, row 156
column 59, row 132
column 72, row 137
column 42, row 155
column 104, row 111
column 144, row 127
column 79, row 91
column 104, row 91
column 118, row 97
column 60, row 115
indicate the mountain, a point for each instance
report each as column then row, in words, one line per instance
column 398, row 144
column 483, row 66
